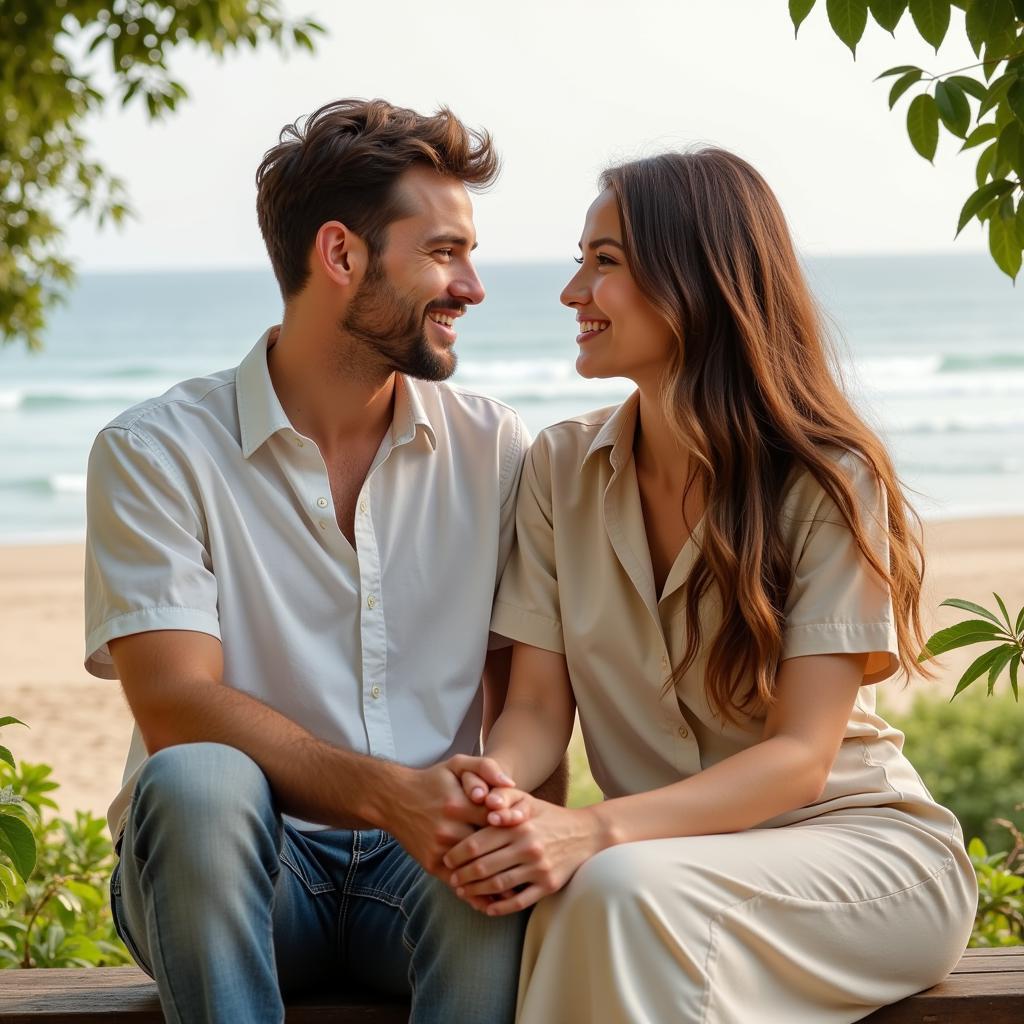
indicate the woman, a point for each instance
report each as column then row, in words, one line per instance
column 714, row 573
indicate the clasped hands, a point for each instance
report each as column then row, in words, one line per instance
column 499, row 848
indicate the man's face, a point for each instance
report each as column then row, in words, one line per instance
column 407, row 303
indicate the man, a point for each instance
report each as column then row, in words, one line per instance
column 290, row 568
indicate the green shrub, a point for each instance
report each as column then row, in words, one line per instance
column 971, row 756
column 60, row 916
column 1000, row 917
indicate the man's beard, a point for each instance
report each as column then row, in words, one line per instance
column 392, row 326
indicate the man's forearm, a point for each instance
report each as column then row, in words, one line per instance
column 310, row 779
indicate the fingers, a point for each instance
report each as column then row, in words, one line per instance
column 519, row 901
column 476, row 845
column 507, row 807
column 501, row 884
column 474, row 787
column 485, row 767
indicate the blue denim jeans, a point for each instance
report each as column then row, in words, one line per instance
column 228, row 908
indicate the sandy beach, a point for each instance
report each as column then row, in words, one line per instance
column 81, row 725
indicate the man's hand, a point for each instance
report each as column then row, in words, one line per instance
column 429, row 811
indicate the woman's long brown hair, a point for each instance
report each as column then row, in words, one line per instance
column 752, row 393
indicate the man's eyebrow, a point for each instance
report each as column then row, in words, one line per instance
column 452, row 240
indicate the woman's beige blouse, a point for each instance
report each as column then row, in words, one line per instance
column 580, row 582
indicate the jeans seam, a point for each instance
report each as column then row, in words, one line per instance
column 344, row 894
column 380, row 895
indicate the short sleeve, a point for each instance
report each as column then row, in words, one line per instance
column 837, row 604
column 146, row 564
column 526, row 608
column 512, row 471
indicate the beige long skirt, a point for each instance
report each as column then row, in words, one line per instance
column 819, row 922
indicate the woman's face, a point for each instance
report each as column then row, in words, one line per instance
column 621, row 333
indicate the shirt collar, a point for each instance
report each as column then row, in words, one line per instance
column 260, row 414
column 617, row 433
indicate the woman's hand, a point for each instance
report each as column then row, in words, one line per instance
column 535, row 857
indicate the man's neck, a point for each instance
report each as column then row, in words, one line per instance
column 332, row 398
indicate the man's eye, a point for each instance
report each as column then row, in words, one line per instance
column 446, row 253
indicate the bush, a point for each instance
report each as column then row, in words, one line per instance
column 1000, row 917
column 60, row 916
column 971, row 757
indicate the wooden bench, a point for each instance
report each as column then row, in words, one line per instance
column 986, row 987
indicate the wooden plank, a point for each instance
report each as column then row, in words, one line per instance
column 95, row 995
column 986, row 986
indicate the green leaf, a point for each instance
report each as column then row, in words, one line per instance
column 900, row 69
column 6, row 755
column 8, row 720
column 1014, row 666
column 971, row 86
column 981, row 134
column 1005, row 246
column 888, row 12
column 998, row 664
column 848, row 19
column 985, row 164
column 995, row 92
column 954, row 109
column 971, row 631
column 987, row 20
column 17, row 842
column 901, row 85
column 1015, row 97
column 970, row 606
column 923, row 125
column 1002, row 605
column 977, row 667
column 932, row 19
column 1020, row 614
column 976, row 202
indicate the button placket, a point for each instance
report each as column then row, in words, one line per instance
column 373, row 635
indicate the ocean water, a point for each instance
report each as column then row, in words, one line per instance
column 932, row 347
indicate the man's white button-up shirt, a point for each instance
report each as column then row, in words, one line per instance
column 207, row 511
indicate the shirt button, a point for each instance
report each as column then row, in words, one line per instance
column 375, row 692
column 362, row 506
column 664, row 662
column 371, row 602
column 321, row 502
column 683, row 732
column 323, row 524
column 299, row 443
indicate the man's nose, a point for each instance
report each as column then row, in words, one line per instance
column 468, row 287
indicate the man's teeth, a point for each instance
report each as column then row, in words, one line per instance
column 592, row 326
column 441, row 318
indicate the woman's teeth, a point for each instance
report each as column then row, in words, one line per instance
column 592, row 326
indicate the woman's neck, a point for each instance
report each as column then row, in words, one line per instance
column 660, row 456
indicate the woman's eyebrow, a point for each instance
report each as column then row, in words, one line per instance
column 605, row 241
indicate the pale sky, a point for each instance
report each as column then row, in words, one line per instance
column 565, row 86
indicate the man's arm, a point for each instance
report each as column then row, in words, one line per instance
column 173, row 680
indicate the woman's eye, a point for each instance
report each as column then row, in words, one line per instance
column 604, row 261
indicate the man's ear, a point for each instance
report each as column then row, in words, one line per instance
column 340, row 254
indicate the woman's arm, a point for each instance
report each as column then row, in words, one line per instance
column 530, row 736
column 786, row 770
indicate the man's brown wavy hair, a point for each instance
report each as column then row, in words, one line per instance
column 343, row 162
column 752, row 392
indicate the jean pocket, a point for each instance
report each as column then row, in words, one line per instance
column 305, row 866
